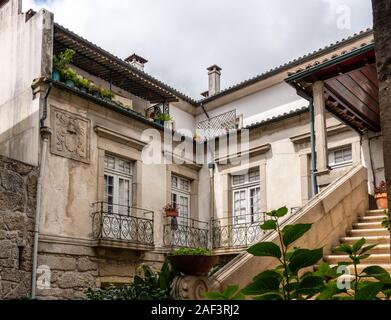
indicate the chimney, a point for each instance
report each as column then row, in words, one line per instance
column 214, row 80
column 136, row 61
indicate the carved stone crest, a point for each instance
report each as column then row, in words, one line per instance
column 71, row 136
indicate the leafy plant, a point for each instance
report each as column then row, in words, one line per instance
column 362, row 288
column 150, row 285
column 106, row 94
column 386, row 220
column 291, row 280
column 382, row 188
column 83, row 83
column 63, row 59
column 69, row 74
column 164, row 117
column 231, row 293
column 191, row 252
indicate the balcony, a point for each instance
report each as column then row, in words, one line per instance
column 186, row 232
column 237, row 233
column 117, row 226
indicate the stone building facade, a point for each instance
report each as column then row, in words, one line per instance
column 101, row 212
column 18, row 182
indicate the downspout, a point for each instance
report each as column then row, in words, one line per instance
column 314, row 169
column 45, row 135
column 211, row 167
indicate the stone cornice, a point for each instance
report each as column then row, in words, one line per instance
column 120, row 138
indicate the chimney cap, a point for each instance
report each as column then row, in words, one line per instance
column 136, row 58
column 205, row 94
column 215, row 67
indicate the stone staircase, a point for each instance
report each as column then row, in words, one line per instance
column 370, row 228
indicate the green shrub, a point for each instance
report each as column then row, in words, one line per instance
column 150, row 285
column 191, row 252
column 63, row 59
column 106, row 94
column 290, row 280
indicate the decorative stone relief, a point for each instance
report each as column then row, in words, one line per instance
column 190, row 288
column 71, row 136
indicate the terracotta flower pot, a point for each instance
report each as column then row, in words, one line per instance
column 381, row 200
column 171, row 213
column 193, row 265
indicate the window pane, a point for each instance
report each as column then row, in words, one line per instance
column 253, row 176
column 108, row 193
column 238, row 179
column 124, row 166
column 174, row 182
column 109, row 162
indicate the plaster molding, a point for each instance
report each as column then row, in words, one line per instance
column 120, row 138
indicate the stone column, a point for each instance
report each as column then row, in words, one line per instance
column 382, row 30
column 320, row 128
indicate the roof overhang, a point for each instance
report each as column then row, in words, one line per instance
column 351, row 87
column 102, row 64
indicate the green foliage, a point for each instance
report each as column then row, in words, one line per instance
column 164, row 117
column 69, row 74
column 63, row 59
column 150, row 285
column 231, row 293
column 106, row 94
column 293, row 279
column 191, row 252
column 386, row 220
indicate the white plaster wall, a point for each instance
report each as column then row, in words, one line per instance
column 283, row 176
column 262, row 105
column 184, row 121
column 21, row 61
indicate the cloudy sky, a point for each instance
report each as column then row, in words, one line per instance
column 181, row 38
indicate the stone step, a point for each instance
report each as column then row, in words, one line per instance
column 373, row 259
column 374, row 213
column 361, row 267
column 368, row 225
column 369, row 239
column 380, row 248
column 369, row 232
column 372, row 219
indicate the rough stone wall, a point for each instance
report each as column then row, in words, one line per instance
column 75, row 268
column 382, row 29
column 18, row 184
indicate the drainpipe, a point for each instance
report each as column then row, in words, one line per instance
column 45, row 135
column 314, row 180
column 211, row 167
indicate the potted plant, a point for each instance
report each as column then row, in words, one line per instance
column 381, row 196
column 83, row 84
column 171, row 210
column 106, row 94
column 192, row 261
column 94, row 90
column 162, row 118
column 60, row 63
column 69, row 76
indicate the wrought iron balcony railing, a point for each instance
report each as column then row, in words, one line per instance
column 238, row 231
column 186, row 232
column 112, row 222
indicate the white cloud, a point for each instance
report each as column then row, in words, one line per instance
column 181, row 38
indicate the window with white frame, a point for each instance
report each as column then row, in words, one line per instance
column 180, row 195
column 118, row 178
column 246, row 194
column 340, row 157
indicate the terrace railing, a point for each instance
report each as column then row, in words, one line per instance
column 238, row 231
column 114, row 222
column 186, row 232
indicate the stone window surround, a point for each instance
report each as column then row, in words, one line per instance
column 305, row 165
column 227, row 171
column 106, row 145
column 190, row 173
